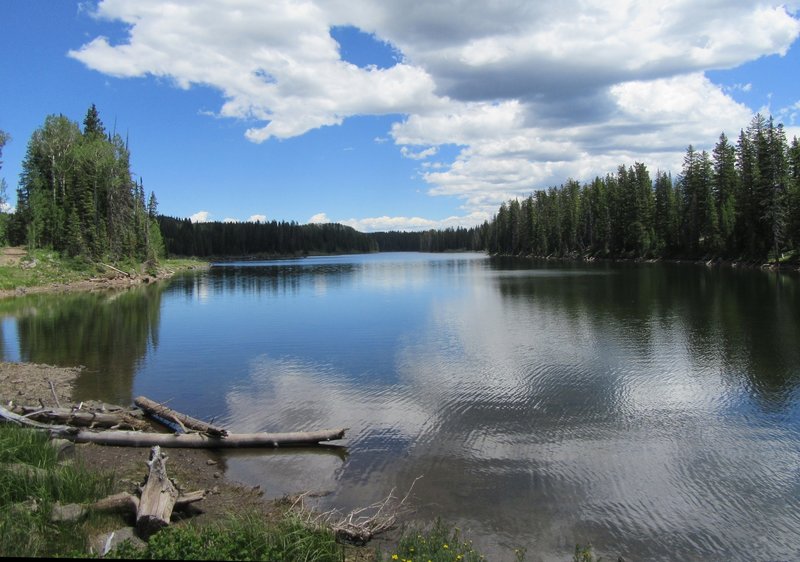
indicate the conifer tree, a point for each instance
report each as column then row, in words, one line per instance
column 725, row 187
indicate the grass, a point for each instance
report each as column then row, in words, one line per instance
column 245, row 537
column 439, row 543
column 46, row 267
column 27, row 496
column 43, row 267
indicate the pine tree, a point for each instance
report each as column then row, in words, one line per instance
column 92, row 126
column 724, row 182
column 794, row 194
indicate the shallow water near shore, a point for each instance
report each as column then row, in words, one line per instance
column 652, row 410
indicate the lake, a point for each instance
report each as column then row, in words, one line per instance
column 652, row 410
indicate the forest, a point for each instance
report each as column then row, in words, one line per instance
column 273, row 238
column 77, row 195
column 183, row 237
column 740, row 202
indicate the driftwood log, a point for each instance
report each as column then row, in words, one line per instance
column 185, row 440
column 201, row 441
column 158, row 497
column 184, row 422
column 118, row 419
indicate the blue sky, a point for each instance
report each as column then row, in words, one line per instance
column 392, row 115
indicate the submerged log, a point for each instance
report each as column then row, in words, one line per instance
column 182, row 420
column 158, row 497
column 202, row 441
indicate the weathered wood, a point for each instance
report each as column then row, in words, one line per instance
column 73, row 512
column 158, row 497
column 115, row 269
column 22, row 420
column 82, row 418
column 202, row 441
column 184, row 421
column 118, row 502
column 53, row 390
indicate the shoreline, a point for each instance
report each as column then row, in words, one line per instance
column 116, row 282
column 786, row 267
column 30, row 383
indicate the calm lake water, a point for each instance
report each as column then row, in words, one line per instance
column 652, row 410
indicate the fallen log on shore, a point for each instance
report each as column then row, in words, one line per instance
column 183, row 440
column 183, row 421
column 202, row 441
column 158, row 498
column 121, row 419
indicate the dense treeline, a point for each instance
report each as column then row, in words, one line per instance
column 220, row 239
column 185, row 238
column 76, row 195
column 741, row 201
column 447, row 240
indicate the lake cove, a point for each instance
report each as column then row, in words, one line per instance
column 649, row 409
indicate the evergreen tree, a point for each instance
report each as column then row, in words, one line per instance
column 77, row 196
column 92, row 126
column 746, row 208
column 794, row 194
column 724, row 182
column 774, row 176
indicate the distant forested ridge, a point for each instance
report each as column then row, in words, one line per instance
column 740, row 202
column 77, row 195
column 183, row 237
column 272, row 238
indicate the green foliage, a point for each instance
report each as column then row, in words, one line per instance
column 239, row 538
column 440, row 543
column 584, row 554
column 77, row 195
column 28, row 494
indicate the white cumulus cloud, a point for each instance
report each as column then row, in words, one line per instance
column 530, row 93
column 200, row 216
column 319, row 218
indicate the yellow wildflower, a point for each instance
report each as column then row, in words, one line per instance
column 394, row 557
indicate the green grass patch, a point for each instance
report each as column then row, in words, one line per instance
column 43, row 267
column 31, row 482
column 246, row 537
column 46, row 267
